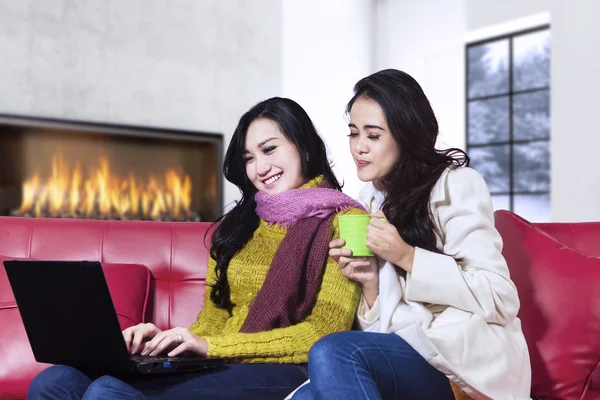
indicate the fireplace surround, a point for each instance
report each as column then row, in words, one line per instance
column 61, row 168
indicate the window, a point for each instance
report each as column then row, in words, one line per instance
column 508, row 119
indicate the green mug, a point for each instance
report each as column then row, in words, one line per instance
column 353, row 229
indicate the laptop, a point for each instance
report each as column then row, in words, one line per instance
column 70, row 319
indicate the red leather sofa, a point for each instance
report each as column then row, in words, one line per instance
column 174, row 253
column 555, row 266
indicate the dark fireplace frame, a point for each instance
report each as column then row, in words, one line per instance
column 132, row 131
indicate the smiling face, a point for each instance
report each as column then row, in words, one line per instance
column 374, row 150
column 272, row 162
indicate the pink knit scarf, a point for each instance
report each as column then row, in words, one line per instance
column 292, row 283
column 287, row 208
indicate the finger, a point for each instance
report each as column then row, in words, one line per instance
column 187, row 335
column 138, row 336
column 342, row 262
column 127, row 333
column 374, row 237
column 337, row 252
column 378, row 223
column 378, row 214
column 371, row 241
column 127, row 337
column 150, row 345
column 357, row 264
column 144, row 349
column 360, row 274
column 374, row 247
column 185, row 346
column 345, row 260
column 167, row 341
column 351, row 268
column 337, row 243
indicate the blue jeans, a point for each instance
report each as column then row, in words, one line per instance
column 235, row 381
column 362, row 365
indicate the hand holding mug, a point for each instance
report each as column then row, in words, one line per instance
column 385, row 241
column 362, row 267
column 364, row 270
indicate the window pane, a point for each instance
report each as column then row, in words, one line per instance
column 534, row 208
column 532, row 167
column 488, row 69
column 531, row 55
column 488, row 121
column 501, row 202
column 532, row 115
column 492, row 162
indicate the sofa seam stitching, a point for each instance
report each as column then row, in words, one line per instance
column 30, row 240
column 171, row 273
column 102, row 242
column 588, row 381
column 573, row 237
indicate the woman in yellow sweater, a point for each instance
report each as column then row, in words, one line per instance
column 273, row 289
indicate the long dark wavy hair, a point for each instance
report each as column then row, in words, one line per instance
column 236, row 227
column 413, row 125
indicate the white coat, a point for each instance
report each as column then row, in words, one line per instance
column 457, row 309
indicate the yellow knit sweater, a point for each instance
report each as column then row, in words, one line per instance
column 333, row 311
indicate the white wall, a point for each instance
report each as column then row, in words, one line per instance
column 485, row 13
column 427, row 39
column 327, row 48
column 575, row 109
column 173, row 63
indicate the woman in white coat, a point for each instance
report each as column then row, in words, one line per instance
column 438, row 314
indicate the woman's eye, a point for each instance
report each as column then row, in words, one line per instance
column 269, row 150
column 247, row 160
column 374, row 137
column 352, row 134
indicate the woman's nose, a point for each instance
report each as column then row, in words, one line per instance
column 360, row 147
column 262, row 167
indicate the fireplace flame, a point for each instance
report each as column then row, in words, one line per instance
column 104, row 195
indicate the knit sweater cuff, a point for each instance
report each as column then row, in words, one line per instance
column 258, row 350
column 234, row 346
column 221, row 347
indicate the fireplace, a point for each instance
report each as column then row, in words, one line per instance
column 54, row 168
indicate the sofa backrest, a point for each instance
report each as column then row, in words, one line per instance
column 173, row 251
column 556, row 268
column 582, row 236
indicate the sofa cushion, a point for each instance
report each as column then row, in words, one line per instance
column 18, row 365
column 129, row 287
column 560, row 313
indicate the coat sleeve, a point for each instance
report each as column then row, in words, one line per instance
column 368, row 318
column 472, row 274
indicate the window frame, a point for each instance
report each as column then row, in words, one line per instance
column 510, row 94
